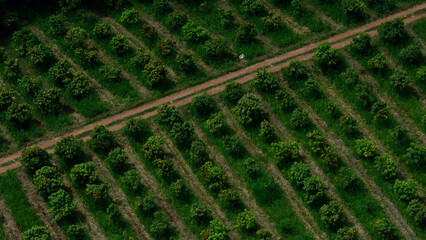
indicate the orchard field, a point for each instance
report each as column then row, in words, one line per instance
column 251, row 119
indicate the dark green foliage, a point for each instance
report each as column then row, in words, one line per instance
column 386, row 166
column 326, row 56
column 251, row 167
column 198, row 153
column 130, row 17
column 400, row 80
column 136, row 128
column 313, row 188
column 299, row 172
column 421, row 74
column 312, row 89
column 61, row 73
column 298, row 70
column 67, row 6
column 166, row 46
column 61, row 205
column 161, row 6
column 11, row 70
column 6, row 98
column 266, row 130
column 102, row 30
column 69, row 149
column 227, row 17
column 284, row 152
column 39, row 54
column 194, row 33
column 418, row 211
column 148, row 32
column 347, row 233
column 273, row 21
column 98, row 192
column 168, row 115
column 363, row 95
column 245, row 221
column 332, row 214
column 37, row 233
column 411, row 55
column 299, row 119
column 113, row 212
column 385, row 229
column 285, row 99
column 361, row 44
column 233, row 145
column 177, row 19
column 160, row 225
column 147, row 204
column 416, row 155
column 117, row 159
column 217, row 48
column 233, row 92
column 84, row 173
column 79, row 86
column 216, row 231
column 76, row 231
column 265, row 81
column 19, row 114
column 47, row 180
column 153, row 148
column 132, row 180
column 156, row 73
column 76, row 38
column 179, row 189
column 348, row 125
column 263, row 234
column 249, row 110
column 348, row 180
column 24, row 39
column 246, row 33
column 350, row 76
column 120, row 45
column 380, row 111
column 354, row 8
column 203, row 104
column 34, row 158
column 48, row 100
column 366, row 149
column 253, row 7
column 182, row 133
column 406, row 190
column 199, row 213
column 214, row 175
column 331, row 109
column 141, row 59
column 216, row 124
column 399, row 133
column 185, row 60
column 392, row 31
column 103, row 139
column 30, row 85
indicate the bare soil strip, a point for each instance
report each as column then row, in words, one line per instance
column 59, row 54
column 118, row 197
column 161, row 199
column 191, row 179
column 300, row 54
column 9, row 224
column 336, row 142
column 39, row 206
column 246, row 197
column 283, row 134
column 399, row 114
column 293, row 199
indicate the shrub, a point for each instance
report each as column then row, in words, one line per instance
column 233, row 145
column 331, row 109
column 147, row 204
column 216, row 231
column 361, row 44
column 89, row 55
column 285, row 99
column 113, row 212
column 156, row 72
column 6, row 98
column 216, row 124
column 37, row 232
column 246, row 33
column 48, row 100
column 164, row 166
column 160, row 225
column 363, row 95
column 102, row 139
column 354, row 8
column 56, row 26
column 61, row 73
column 198, row 153
column 216, row 48
column 246, row 220
column 406, row 190
column 148, row 31
column 399, row 133
column 233, row 92
column 347, row 233
column 166, row 47
column 69, row 5
column 24, row 39
column 76, row 38
column 265, row 81
column 179, row 189
column 253, row 7
column 185, row 60
column 168, row 115
column 380, row 111
column 136, row 128
column 348, row 180
column 248, row 110
column 120, row 45
column 400, row 80
column 385, row 229
column 348, row 125
column 266, row 130
column 177, row 19
column 418, row 211
column 251, row 167
column 313, row 188
column 326, row 56
column 131, row 179
column 11, row 70
column 76, row 231
column 117, row 159
column 98, row 192
column 416, row 155
column 33, row 158
column 332, row 214
column 84, row 173
column 141, row 59
column 312, row 89
column 350, row 76
column 102, row 30
column 153, row 148
column 386, row 166
column 47, row 180
column 30, row 85
column 110, row 74
column 273, row 21
column 263, row 234
column 199, row 213
column 299, row 172
column 411, row 55
column 203, row 104
column 182, row 133
column 61, row 205
column 298, row 70
column 285, row 152
column 39, row 54
column 227, row 17
column 392, row 31
column 194, row 33
column 214, row 175
column 299, row 119
column 79, row 86
column 19, row 114
column 130, row 16
column 161, row 6
column 366, row 149
column 421, row 74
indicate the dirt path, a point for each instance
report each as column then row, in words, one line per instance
column 273, row 64
column 191, row 179
column 39, row 206
column 337, row 143
column 117, row 195
column 400, row 115
column 148, row 180
column 238, row 183
column 59, row 54
column 9, row 223
column 293, row 199
column 284, row 134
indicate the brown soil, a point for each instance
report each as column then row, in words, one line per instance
column 238, row 183
column 301, row 211
column 336, row 142
column 160, row 198
column 185, row 171
column 39, row 206
column 9, row 224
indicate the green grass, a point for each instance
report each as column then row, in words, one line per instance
column 14, row 196
column 419, row 27
column 3, row 235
